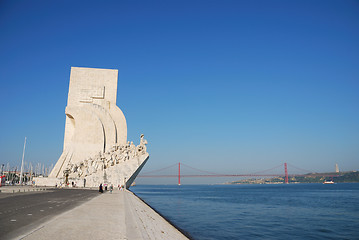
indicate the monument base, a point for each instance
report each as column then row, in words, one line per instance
column 47, row 182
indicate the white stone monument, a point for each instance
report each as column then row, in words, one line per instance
column 95, row 149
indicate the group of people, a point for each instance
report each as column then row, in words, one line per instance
column 100, row 188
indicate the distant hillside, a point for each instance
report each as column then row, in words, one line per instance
column 344, row 177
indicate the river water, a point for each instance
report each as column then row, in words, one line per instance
column 291, row 211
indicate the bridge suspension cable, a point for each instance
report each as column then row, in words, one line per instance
column 196, row 169
column 300, row 169
column 159, row 170
column 267, row 170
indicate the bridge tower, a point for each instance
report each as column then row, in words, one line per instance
column 286, row 173
column 179, row 174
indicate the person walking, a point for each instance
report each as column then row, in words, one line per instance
column 100, row 189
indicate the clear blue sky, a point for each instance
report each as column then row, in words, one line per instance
column 225, row 86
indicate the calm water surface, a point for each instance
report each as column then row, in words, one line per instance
column 293, row 211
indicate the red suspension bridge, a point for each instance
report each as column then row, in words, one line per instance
column 205, row 174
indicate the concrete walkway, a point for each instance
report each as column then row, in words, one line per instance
column 117, row 215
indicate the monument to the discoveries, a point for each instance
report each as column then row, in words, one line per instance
column 95, row 149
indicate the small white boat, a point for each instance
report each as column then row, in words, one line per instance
column 328, row 182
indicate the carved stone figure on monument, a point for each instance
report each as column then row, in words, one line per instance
column 100, row 166
column 73, row 168
column 113, row 148
column 85, row 163
column 87, row 172
column 132, row 150
column 107, row 156
column 80, row 171
column 126, row 156
column 113, row 158
column 117, row 157
column 95, row 165
column 66, row 175
column 139, row 150
column 143, row 143
column 90, row 167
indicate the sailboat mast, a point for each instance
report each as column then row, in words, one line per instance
column 22, row 162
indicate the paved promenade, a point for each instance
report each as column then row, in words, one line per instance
column 117, row 215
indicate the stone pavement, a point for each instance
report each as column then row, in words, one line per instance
column 117, row 215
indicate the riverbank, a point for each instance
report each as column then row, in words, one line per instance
column 117, row 215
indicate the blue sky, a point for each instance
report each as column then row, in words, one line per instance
column 225, row 86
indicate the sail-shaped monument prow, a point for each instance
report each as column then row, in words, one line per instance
column 96, row 150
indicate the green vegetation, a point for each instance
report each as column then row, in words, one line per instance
column 347, row 177
column 342, row 177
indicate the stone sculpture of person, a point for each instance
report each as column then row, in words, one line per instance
column 139, row 149
column 107, row 156
column 121, row 149
column 107, row 160
column 86, row 167
column 74, row 168
column 113, row 149
column 95, row 165
column 113, row 158
column 117, row 157
column 127, row 147
column 85, row 163
column 126, row 156
column 90, row 166
column 143, row 143
column 100, row 166
column 132, row 150
column 80, row 169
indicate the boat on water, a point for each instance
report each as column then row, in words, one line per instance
column 328, row 182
